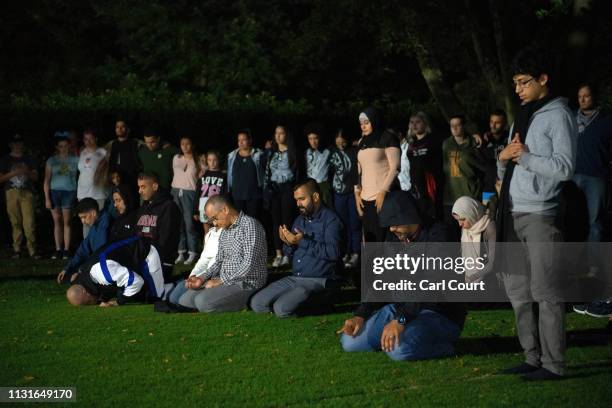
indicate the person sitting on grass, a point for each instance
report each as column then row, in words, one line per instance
column 98, row 222
column 195, row 280
column 240, row 265
column 314, row 243
column 408, row 330
column 109, row 276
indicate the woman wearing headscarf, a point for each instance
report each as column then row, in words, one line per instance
column 378, row 162
column 478, row 236
column 126, row 205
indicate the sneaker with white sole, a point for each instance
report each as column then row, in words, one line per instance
column 277, row 261
column 353, row 261
column 599, row 309
column 191, row 258
column 346, row 258
column 581, row 308
column 285, row 261
column 180, row 258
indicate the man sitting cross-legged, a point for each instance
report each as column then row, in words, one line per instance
column 119, row 270
column 406, row 330
column 315, row 242
column 240, row 265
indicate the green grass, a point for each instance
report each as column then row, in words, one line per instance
column 130, row 356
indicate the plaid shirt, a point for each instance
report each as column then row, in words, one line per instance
column 241, row 257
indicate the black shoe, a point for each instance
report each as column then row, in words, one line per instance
column 599, row 309
column 580, row 309
column 162, row 306
column 524, row 368
column 541, row 374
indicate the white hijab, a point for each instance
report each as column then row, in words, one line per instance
column 475, row 213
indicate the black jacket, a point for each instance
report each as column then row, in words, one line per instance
column 158, row 221
column 125, row 224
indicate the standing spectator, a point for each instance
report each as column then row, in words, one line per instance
column 317, row 162
column 60, row 194
column 157, row 219
column 123, row 154
column 91, row 183
column 379, row 163
column 245, row 175
column 282, row 172
column 18, row 173
column 540, row 157
column 426, row 175
column 184, row 178
column 343, row 163
column 157, row 159
column 592, row 177
column 212, row 182
column 461, row 167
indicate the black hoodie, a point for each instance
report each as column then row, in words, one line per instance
column 125, row 224
column 158, row 221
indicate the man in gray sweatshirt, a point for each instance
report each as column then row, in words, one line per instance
column 540, row 156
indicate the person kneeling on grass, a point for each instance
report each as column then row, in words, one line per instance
column 195, row 280
column 314, row 243
column 99, row 223
column 129, row 271
column 410, row 330
column 240, row 265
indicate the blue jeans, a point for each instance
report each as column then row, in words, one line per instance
column 178, row 291
column 347, row 210
column 185, row 200
column 430, row 335
column 594, row 189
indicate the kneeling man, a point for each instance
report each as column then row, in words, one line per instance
column 314, row 242
column 129, row 270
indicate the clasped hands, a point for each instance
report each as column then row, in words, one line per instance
column 289, row 237
column 514, row 150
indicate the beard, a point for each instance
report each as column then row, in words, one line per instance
column 308, row 210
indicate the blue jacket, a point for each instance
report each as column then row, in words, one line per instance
column 96, row 238
column 319, row 253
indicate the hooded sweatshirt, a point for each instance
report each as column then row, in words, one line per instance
column 157, row 222
column 537, row 180
column 124, row 225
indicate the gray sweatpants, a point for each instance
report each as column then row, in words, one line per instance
column 285, row 295
column 222, row 298
column 535, row 279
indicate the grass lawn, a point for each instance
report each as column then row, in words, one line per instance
column 130, row 356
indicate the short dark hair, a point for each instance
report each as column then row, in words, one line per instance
column 592, row 88
column 498, row 112
column 86, row 205
column 533, row 61
column 151, row 132
column 149, row 175
column 90, row 131
column 310, row 184
column 219, row 200
column 459, row 116
column 245, row 131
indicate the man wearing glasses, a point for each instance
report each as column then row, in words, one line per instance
column 540, row 156
column 239, row 268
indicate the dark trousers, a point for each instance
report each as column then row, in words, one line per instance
column 250, row 207
column 347, row 210
column 283, row 211
column 372, row 230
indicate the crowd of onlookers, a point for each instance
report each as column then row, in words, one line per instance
column 147, row 205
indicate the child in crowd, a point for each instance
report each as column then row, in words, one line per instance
column 211, row 182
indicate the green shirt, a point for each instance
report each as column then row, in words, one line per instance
column 461, row 170
column 159, row 162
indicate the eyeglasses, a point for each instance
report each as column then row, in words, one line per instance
column 523, row 84
column 213, row 219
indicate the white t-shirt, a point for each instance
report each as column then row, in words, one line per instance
column 88, row 163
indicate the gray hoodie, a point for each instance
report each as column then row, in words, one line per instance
column 551, row 139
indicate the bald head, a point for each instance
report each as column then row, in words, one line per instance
column 77, row 295
column 218, row 202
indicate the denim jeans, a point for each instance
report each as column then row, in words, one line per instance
column 347, row 210
column 594, row 189
column 430, row 335
column 185, row 201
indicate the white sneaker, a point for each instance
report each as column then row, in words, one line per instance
column 277, row 261
column 353, row 261
column 346, row 258
column 284, row 261
column 180, row 258
column 192, row 257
